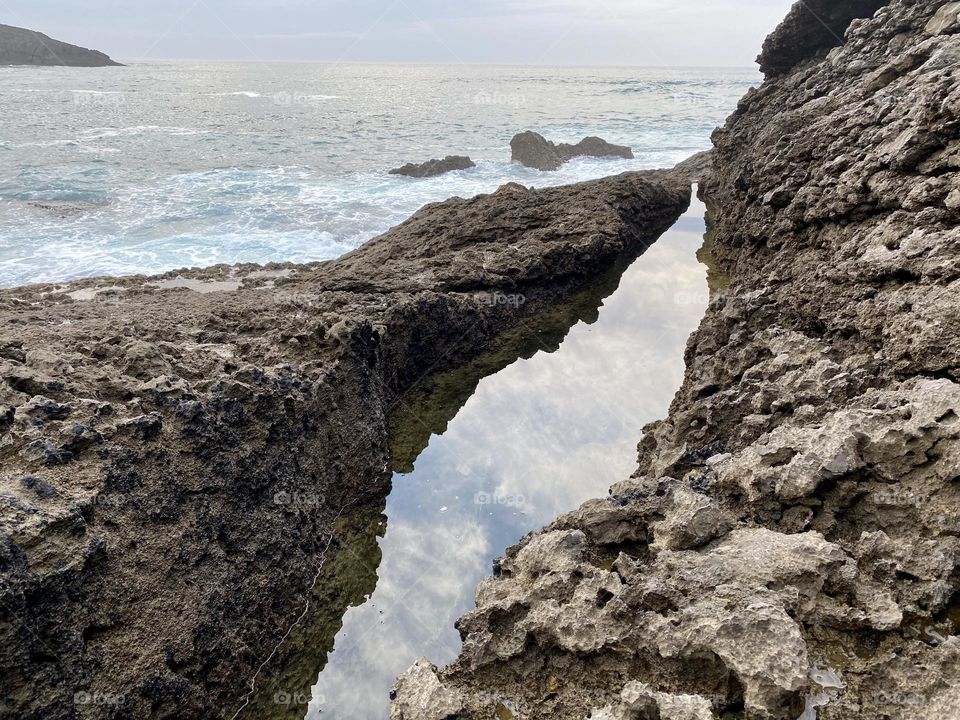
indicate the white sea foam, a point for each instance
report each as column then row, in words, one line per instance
column 183, row 179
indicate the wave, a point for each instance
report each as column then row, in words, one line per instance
column 102, row 133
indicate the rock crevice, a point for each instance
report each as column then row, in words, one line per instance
column 789, row 545
column 176, row 449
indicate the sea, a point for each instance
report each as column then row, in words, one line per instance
column 158, row 166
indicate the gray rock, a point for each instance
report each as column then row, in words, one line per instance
column 810, row 30
column 19, row 46
column 420, row 696
column 695, row 168
column 639, row 701
column 432, row 168
column 947, row 20
column 66, row 208
column 533, row 150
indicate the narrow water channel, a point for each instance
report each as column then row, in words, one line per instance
column 533, row 441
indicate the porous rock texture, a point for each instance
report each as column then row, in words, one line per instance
column 788, row 547
column 433, row 168
column 535, row 151
column 811, row 29
column 19, row 46
column 186, row 460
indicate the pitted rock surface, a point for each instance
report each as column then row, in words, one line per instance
column 789, row 545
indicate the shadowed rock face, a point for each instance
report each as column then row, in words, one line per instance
column 535, row 151
column 789, row 545
column 186, row 460
column 432, row 168
column 27, row 47
column 812, row 28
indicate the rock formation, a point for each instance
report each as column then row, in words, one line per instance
column 812, row 28
column 432, row 168
column 535, row 151
column 19, row 46
column 789, row 545
column 188, row 463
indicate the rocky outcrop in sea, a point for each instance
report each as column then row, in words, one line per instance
column 19, row 46
column 535, row 151
column 191, row 464
column 789, row 546
column 433, row 168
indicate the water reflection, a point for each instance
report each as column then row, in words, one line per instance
column 532, row 441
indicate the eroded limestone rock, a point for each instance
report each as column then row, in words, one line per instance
column 789, row 544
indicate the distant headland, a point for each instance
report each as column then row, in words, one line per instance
column 19, row 46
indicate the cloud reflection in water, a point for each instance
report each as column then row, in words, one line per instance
column 534, row 441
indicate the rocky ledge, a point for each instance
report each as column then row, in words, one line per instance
column 186, row 458
column 789, row 546
column 19, row 46
column 535, row 151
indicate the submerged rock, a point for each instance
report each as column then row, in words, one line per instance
column 432, row 168
column 535, row 151
column 19, row 46
column 789, row 544
column 193, row 464
column 66, row 208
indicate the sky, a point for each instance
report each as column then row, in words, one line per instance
column 511, row 32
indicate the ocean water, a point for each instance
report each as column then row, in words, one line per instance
column 168, row 165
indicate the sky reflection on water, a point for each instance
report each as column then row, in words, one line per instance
column 534, row 441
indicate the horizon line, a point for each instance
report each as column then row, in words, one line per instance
column 145, row 61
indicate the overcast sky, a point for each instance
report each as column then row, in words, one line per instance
column 538, row 32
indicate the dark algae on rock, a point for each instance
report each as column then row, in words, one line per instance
column 194, row 465
column 433, row 168
column 788, row 547
column 19, row 46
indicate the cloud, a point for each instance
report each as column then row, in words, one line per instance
column 340, row 35
column 611, row 32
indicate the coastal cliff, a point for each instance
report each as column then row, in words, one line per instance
column 193, row 467
column 19, row 46
column 788, row 547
